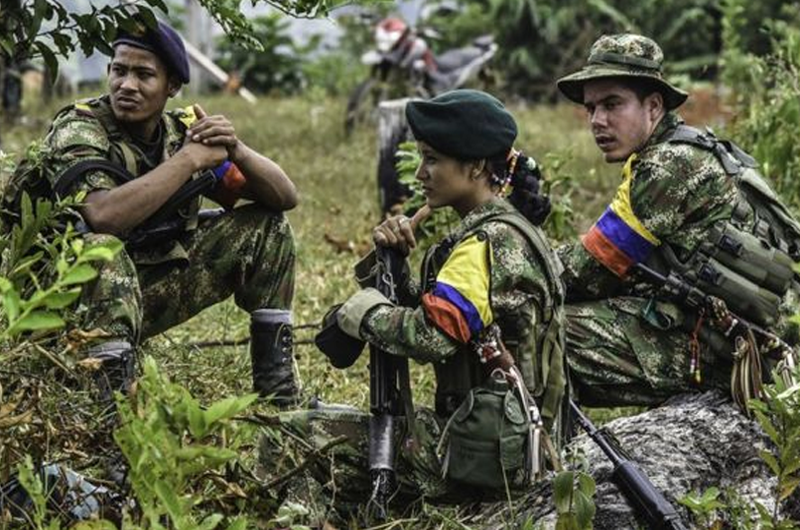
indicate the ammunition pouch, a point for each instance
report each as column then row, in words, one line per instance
column 487, row 438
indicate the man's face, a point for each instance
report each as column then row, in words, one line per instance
column 620, row 122
column 139, row 85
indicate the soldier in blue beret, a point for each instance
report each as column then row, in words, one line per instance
column 144, row 171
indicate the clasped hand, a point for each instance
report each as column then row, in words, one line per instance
column 210, row 140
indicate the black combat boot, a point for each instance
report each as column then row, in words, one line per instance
column 271, row 355
column 117, row 369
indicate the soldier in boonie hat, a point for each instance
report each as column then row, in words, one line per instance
column 625, row 55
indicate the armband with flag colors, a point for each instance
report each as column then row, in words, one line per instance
column 458, row 303
column 230, row 182
column 619, row 240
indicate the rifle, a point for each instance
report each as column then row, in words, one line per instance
column 385, row 373
column 634, row 484
column 728, row 323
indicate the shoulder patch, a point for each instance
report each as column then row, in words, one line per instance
column 186, row 115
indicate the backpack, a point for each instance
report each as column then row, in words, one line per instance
column 747, row 261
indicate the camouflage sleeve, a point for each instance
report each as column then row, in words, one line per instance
column 74, row 139
column 584, row 277
column 407, row 332
column 679, row 192
column 488, row 276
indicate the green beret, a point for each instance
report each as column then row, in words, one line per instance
column 463, row 124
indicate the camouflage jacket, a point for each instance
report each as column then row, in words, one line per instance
column 670, row 194
column 485, row 271
column 87, row 130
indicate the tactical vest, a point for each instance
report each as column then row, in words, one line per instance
column 748, row 260
column 538, row 353
column 125, row 162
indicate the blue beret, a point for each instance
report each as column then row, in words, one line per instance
column 464, row 124
column 165, row 43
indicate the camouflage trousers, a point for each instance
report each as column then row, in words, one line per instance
column 634, row 351
column 336, row 440
column 247, row 252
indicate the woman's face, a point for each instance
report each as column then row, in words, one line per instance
column 447, row 181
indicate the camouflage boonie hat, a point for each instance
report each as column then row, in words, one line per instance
column 624, row 55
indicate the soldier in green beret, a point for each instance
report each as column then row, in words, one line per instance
column 493, row 275
column 689, row 207
column 131, row 158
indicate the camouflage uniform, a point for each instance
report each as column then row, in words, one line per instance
column 524, row 301
column 247, row 251
column 625, row 344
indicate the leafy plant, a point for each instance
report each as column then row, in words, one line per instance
column 572, row 494
column 33, row 485
column 705, row 507
column 40, row 276
column 171, row 442
column 768, row 96
column 559, row 185
column 778, row 413
column 277, row 67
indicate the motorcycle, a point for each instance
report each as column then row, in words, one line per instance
column 402, row 65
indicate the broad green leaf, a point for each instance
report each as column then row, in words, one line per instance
column 771, row 461
column 169, row 499
column 197, row 420
column 79, row 274
column 227, row 408
column 562, row 491
column 586, row 484
column 567, row 521
column 210, row 522
column 105, row 253
column 766, row 424
column 788, row 486
column 77, row 246
column 62, row 299
column 25, row 264
column 11, row 303
column 38, row 320
column 584, row 510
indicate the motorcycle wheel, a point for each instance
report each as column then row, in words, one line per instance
column 359, row 105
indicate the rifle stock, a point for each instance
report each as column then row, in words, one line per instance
column 645, row 498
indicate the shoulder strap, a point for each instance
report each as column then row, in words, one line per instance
column 68, row 178
column 553, row 267
column 730, row 155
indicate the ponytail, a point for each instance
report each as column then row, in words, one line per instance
column 522, row 173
